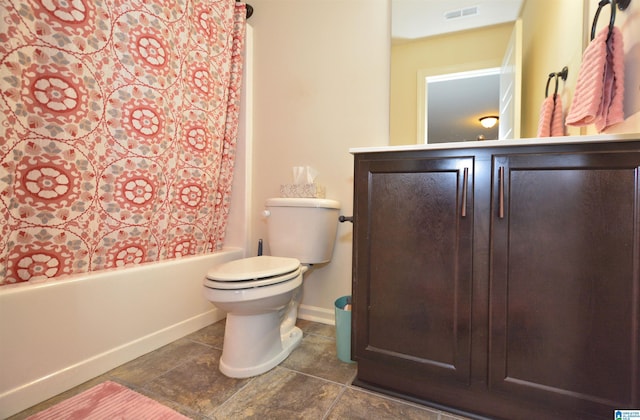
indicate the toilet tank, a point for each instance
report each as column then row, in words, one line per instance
column 302, row 228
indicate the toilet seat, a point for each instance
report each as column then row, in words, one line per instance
column 247, row 273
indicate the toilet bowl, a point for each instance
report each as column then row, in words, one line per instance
column 261, row 294
column 258, row 295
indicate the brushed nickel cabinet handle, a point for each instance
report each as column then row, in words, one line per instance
column 501, row 192
column 465, row 187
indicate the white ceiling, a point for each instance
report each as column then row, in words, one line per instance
column 413, row 19
column 457, row 109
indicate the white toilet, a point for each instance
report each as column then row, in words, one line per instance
column 261, row 294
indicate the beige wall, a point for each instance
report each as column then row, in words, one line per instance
column 321, row 83
column 450, row 53
column 551, row 40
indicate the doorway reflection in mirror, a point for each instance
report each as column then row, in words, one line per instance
column 455, row 102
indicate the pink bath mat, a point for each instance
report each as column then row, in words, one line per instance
column 108, row 400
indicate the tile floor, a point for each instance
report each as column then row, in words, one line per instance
column 312, row 383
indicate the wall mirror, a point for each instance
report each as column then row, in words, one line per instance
column 457, row 36
column 445, row 70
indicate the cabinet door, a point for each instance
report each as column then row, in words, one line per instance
column 412, row 268
column 564, row 283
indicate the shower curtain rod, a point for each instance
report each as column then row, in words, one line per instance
column 249, row 9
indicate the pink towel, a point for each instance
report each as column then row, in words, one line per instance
column 613, row 95
column 551, row 123
column 557, row 123
column 599, row 91
column 546, row 114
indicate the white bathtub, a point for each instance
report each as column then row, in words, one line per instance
column 58, row 334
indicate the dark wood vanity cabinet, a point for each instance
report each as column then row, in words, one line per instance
column 416, row 314
column 502, row 281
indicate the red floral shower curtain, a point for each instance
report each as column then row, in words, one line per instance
column 118, row 121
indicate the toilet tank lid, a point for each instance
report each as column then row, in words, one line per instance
column 303, row 202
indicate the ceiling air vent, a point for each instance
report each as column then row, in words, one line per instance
column 459, row 13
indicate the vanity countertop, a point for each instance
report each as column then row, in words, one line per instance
column 500, row 143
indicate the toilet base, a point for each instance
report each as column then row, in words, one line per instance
column 258, row 349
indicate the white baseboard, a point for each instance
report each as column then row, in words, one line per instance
column 317, row 314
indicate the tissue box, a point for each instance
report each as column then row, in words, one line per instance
column 302, row 191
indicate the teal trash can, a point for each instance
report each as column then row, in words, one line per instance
column 343, row 329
